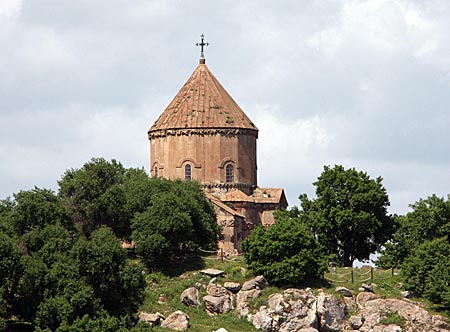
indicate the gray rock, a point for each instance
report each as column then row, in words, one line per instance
column 233, row 287
column 293, row 310
column 178, row 321
column 218, row 304
column 212, row 272
column 331, row 313
column 364, row 297
column 409, row 294
column 189, row 297
column 344, row 291
column 221, row 330
column 152, row 319
column 242, row 301
column 367, row 288
column 216, row 290
column 257, row 283
column 356, row 322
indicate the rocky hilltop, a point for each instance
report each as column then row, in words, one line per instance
column 305, row 310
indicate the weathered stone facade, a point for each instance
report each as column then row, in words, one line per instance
column 204, row 135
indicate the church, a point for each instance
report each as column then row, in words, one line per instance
column 204, row 135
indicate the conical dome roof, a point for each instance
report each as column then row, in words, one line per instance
column 203, row 103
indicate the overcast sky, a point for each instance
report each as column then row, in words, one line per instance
column 365, row 84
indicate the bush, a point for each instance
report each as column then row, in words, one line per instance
column 284, row 253
column 427, row 271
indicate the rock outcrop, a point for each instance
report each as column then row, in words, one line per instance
column 178, row 321
column 189, row 297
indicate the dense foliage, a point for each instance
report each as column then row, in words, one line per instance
column 349, row 215
column 177, row 220
column 62, row 266
column 428, row 220
column 51, row 275
column 285, row 253
column 421, row 247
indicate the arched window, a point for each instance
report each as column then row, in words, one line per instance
column 187, row 172
column 229, row 172
column 156, row 171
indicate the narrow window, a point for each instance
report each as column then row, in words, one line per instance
column 156, row 171
column 229, row 173
column 187, row 172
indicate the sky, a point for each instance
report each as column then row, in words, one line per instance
column 363, row 84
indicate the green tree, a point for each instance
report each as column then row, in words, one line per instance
column 427, row 270
column 36, row 208
column 9, row 263
column 428, row 220
column 116, row 282
column 284, row 253
column 95, row 196
column 177, row 219
column 349, row 215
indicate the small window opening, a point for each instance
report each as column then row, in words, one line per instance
column 229, row 173
column 187, row 172
column 156, row 171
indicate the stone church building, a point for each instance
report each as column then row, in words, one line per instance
column 204, row 135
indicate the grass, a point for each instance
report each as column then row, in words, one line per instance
column 176, row 278
column 393, row 318
column 186, row 273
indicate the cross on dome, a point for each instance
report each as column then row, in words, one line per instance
column 202, row 44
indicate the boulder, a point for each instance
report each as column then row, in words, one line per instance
column 344, row 291
column 331, row 313
column 356, row 322
column 218, row 304
column 152, row 319
column 233, row 287
column 409, row 294
column 257, row 283
column 363, row 297
column 216, row 290
column 243, row 297
column 221, row 330
column 367, row 288
column 416, row 318
column 293, row 310
column 350, row 303
column 178, row 321
column 212, row 272
column 189, row 297
column 387, row 328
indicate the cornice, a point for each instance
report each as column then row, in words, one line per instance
column 228, row 132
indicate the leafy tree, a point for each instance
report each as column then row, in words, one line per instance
column 176, row 220
column 428, row 220
column 95, row 195
column 427, row 270
column 286, row 252
column 36, row 208
column 52, row 276
column 117, row 283
column 349, row 215
column 9, row 262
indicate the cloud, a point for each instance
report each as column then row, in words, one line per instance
column 359, row 83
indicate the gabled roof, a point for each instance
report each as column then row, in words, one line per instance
column 222, row 206
column 202, row 103
column 259, row 195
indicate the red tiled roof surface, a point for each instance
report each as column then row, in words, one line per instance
column 202, row 103
column 260, row 195
column 223, row 206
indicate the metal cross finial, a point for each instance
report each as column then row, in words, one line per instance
column 201, row 44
